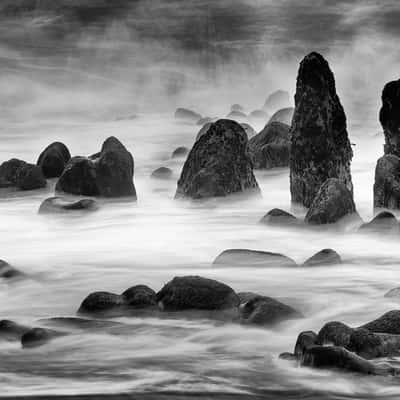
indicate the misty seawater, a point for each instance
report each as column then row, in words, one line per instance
column 80, row 77
column 149, row 242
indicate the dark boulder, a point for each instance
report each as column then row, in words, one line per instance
column 389, row 117
column 162, row 173
column 187, row 115
column 335, row 333
column 284, row 116
column 7, row 271
column 262, row 310
column 277, row 99
column 21, row 174
column 387, row 323
column 195, row 292
column 180, row 152
column 139, row 296
column 54, row 205
column 108, row 173
column 11, row 331
column 36, row 337
column 387, row 182
column 384, row 222
column 304, row 341
column 320, row 145
column 99, row 302
column 271, row 147
column 332, row 202
column 237, row 115
column 279, row 217
column 53, row 159
column 323, row 257
column 253, row 258
column 219, row 164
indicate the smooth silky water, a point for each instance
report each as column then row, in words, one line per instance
column 149, row 242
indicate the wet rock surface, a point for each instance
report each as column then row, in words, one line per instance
column 108, row 173
column 320, row 145
column 271, row 147
column 53, row 159
column 7, row 271
column 332, row 202
column 218, row 165
column 22, row 175
column 56, row 205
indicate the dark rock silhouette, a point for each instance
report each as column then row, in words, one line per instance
column 20, row 174
column 279, row 217
column 389, row 117
column 12, row 331
column 180, row 152
column 7, row 271
column 162, row 173
column 284, row 116
column 323, row 257
column 187, row 115
column 253, row 258
column 320, row 145
column 387, row 323
column 139, row 296
column 195, row 292
column 271, row 147
column 55, row 205
column 387, row 182
column 99, row 302
column 219, row 164
column 332, row 202
column 276, row 100
column 36, row 337
column 384, row 222
column 108, row 173
column 262, row 310
column 393, row 293
column 53, row 159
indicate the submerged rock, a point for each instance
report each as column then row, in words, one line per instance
column 53, row 159
column 320, row 145
column 332, row 202
column 284, row 116
column 187, row 115
column 21, row 174
column 323, row 257
column 36, row 337
column 162, row 173
column 180, row 152
column 195, row 292
column 7, row 271
column 253, row 258
column 387, row 182
column 12, row 331
column 219, row 164
column 271, row 147
column 279, row 217
column 54, row 205
column 262, row 310
column 389, row 117
column 277, row 100
column 108, row 173
column 384, row 222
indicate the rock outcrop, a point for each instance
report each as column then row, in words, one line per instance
column 108, row 173
column 22, row 175
column 320, row 145
column 53, row 159
column 332, row 202
column 56, row 205
column 7, row 271
column 271, row 147
column 219, row 164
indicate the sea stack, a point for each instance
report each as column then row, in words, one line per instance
column 219, row 164
column 387, row 172
column 320, row 145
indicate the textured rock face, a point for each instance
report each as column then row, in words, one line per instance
column 332, row 202
column 271, row 147
column 320, row 145
column 53, row 159
column 21, row 174
column 387, row 182
column 195, row 292
column 108, row 173
column 389, row 117
column 219, row 164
